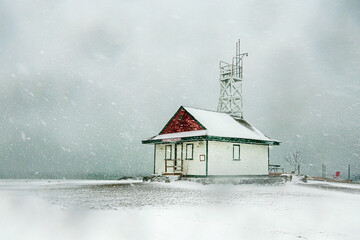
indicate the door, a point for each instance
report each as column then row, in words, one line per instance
column 178, row 157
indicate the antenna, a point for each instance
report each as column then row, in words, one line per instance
column 231, row 76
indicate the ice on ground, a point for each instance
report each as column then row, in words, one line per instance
column 177, row 210
column 336, row 184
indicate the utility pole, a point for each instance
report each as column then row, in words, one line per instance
column 323, row 170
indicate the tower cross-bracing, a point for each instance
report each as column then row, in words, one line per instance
column 231, row 76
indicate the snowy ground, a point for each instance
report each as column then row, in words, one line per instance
column 65, row 209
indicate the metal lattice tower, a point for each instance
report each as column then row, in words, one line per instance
column 231, row 76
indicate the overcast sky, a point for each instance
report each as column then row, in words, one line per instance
column 83, row 82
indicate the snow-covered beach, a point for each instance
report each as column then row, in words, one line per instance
column 71, row 209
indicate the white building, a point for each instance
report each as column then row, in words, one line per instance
column 199, row 142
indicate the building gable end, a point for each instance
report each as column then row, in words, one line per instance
column 182, row 121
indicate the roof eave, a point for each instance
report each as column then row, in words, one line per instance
column 213, row 138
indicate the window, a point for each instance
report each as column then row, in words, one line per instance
column 236, row 152
column 168, row 152
column 189, row 151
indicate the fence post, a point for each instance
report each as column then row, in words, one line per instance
column 349, row 171
column 298, row 169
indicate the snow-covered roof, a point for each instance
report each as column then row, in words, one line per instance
column 217, row 124
column 223, row 125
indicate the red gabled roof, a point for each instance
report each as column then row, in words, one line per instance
column 182, row 121
column 189, row 124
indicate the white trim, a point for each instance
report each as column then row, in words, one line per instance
column 181, row 135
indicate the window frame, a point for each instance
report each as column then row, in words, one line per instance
column 239, row 158
column 192, row 151
column 166, row 146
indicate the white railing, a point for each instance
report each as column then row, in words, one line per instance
column 174, row 166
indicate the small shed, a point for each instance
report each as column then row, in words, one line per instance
column 197, row 142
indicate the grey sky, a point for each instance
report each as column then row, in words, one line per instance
column 82, row 82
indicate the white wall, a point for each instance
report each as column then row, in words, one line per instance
column 159, row 158
column 195, row 166
column 191, row 167
column 254, row 159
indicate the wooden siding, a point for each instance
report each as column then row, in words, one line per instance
column 160, row 158
column 195, row 166
column 182, row 122
column 191, row 167
column 253, row 159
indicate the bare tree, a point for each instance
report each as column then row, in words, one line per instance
column 294, row 160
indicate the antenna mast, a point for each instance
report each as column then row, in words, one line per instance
column 231, row 76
